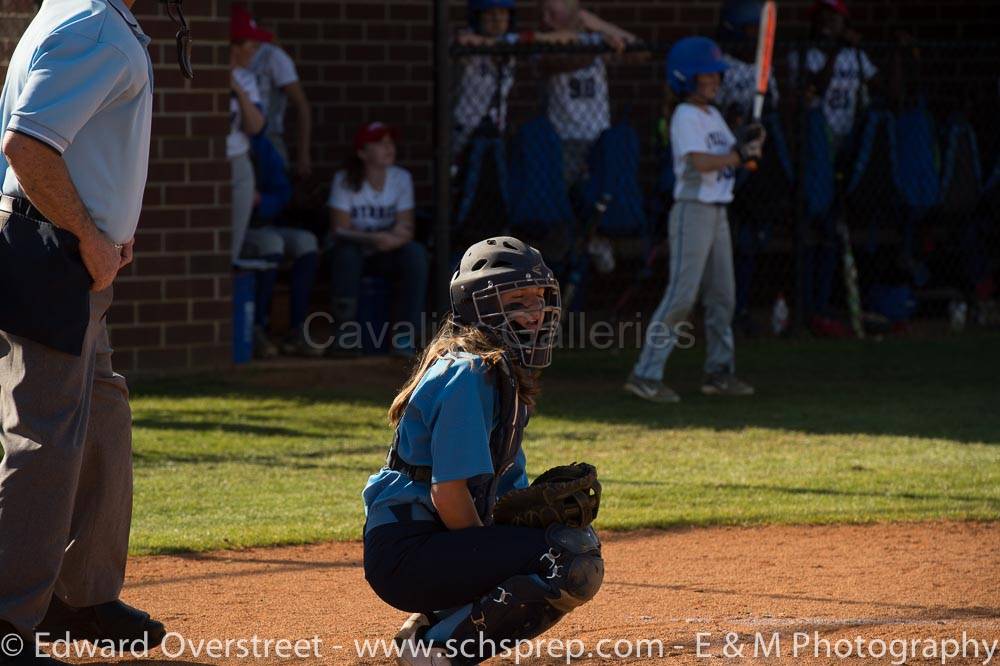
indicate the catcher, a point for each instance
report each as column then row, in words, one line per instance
column 478, row 572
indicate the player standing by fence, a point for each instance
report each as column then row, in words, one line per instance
column 579, row 104
column 706, row 155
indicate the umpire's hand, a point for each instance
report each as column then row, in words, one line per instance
column 102, row 259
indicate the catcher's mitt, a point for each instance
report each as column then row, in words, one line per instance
column 568, row 494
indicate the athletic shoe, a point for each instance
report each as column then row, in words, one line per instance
column 296, row 345
column 725, row 384
column 650, row 389
column 415, row 624
column 113, row 623
column 263, row 348
column 413, row 651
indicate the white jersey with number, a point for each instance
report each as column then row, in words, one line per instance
column 579, row 107
column 696, row 130
column 238, row 143
column 371, row 209
column 840, row 101
column 739, row 85
column 274, row 70
column 486, row 83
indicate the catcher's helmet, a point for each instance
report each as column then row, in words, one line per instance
column 489, row 271
column 736, row 16
column 690, row 57
column 477, row 7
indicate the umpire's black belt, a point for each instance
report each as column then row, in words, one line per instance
column 21, row 207
column 45, row 285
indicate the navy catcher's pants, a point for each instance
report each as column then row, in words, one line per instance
column 422, row 566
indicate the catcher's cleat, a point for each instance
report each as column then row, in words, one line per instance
column 724, row 384
column 414, row 625
column 650, row 389
column 113, row 624
column 413, row 650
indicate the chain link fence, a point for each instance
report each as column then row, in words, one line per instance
column 891, row 152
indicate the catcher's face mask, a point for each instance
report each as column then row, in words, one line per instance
column 183, row 37
column 524, row 315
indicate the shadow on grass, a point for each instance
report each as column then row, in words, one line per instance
column 792, row 490
column 290, row 460
column 932, row 388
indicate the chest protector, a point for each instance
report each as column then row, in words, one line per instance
column 510, row 419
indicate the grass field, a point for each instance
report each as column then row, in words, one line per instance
column 839, row 432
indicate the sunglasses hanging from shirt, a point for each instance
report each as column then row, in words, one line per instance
column 183, row 37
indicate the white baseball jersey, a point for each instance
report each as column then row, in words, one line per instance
column 371, row 209
column 840, row 100
column 739, row 85
column 238, row 143
column 579, row 107
column 274, row 70
column 483, row 91
column 696, row 130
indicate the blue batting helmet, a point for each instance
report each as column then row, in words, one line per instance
column 477, row 7
column 690, row 57
column 736, row 16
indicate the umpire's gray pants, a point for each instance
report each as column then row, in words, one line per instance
column 701, row 259
column 66, row 474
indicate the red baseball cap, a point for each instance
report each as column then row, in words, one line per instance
column 373, row 132
column 838, row 6
column 242, row 27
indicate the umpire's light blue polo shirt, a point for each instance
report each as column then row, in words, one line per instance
column 81, row 81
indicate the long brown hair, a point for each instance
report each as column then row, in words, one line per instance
column 452, row 338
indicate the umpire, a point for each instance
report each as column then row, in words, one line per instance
column 75, row 124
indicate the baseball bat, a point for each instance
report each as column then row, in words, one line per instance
column 851, row 280
column 762, row 62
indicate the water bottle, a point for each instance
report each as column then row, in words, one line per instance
column 779, row 315
column 957, row 314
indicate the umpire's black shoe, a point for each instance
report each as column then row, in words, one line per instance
column 113, row 624
column 15, row 651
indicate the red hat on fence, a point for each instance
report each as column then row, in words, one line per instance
column 373, row 132
column 242, row 27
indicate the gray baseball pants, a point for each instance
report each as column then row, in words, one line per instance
column 701, row 262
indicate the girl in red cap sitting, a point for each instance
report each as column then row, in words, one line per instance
column 372, row 229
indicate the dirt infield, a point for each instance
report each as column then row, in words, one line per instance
column 890, row 582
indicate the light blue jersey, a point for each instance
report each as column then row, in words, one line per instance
column 446, row 427
column 81, row 81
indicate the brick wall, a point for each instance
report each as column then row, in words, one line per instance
column 172, row 305
column 359, row 61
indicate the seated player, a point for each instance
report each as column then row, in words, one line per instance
column 431, row 546
column 371, row 228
